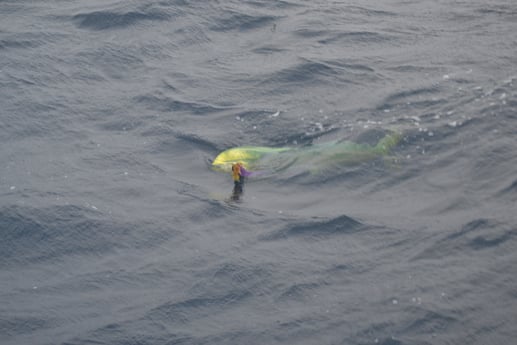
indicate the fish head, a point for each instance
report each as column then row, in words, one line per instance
column 247, row 156
column 244, row 156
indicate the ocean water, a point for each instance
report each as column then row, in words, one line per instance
column 115, row 229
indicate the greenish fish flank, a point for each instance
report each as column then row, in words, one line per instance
column 313, row 158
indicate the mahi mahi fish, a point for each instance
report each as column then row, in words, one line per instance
column 260, row 160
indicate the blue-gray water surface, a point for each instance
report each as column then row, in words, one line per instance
column 115, row 229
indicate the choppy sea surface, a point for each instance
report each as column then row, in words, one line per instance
column 115, row 229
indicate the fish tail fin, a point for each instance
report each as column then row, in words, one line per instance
column 385, row 145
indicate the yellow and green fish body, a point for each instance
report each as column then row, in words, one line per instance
column 311, row 158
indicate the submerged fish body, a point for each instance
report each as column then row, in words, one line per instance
column 311, row 158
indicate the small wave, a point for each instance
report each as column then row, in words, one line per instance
column 14, row 325
column 121, row 126
column 509, row 191
column 370, row 12
column 238, row 274
column 470, row 227
column 350, row 66
column 105, row 20
column 165, row 103
column 267, row 50
column 242, row 22
column 166, row 145
column 274, row 5
column 359, row 37
column 45, row 234
column 298, row 292
column 316, row 229
column 309, row 33
column 418, row 98
column 128, row 331
column 308, row 71
column 22, row 40
column 39, row 234
column 314, row 73
column 7, row 43
column 430, row 322
column 479, row 234
column 194, row 308
column 499, row 11
column 267, row 130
